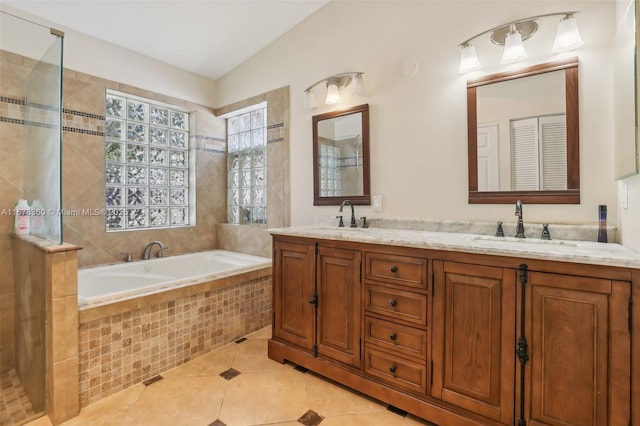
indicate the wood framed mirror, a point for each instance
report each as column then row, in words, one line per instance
column 523, row 136
column 341, row 157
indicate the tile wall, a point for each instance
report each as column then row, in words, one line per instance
column 120, row 350
column 255, row 239
column 83, row 179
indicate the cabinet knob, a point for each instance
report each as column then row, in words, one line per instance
column 393, row 337
column 393, row 302
column 394, row 269
column 392, row 369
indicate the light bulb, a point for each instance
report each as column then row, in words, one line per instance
column 333, row 97
column 468, row 59
column 513, row 48
column 358, row 87
column 311, row 98
column 567, row 35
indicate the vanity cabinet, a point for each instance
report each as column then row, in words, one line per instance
column 459, row 338
column 396, row 328
column 473, row 338
column 338, row 304
column 578, row 334
column 293, row 316
column 317, row 299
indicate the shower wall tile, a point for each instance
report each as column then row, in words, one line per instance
column 255, row 239
column 83, row 177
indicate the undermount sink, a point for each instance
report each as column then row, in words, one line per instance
column 524, row 244
column 524, row 240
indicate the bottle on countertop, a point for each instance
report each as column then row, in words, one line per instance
column 22, row 225
column 602, row 223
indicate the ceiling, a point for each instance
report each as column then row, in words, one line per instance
column 206, row 37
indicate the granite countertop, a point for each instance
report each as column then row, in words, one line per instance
column 531, row 248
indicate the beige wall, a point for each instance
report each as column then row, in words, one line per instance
column 418, row 124
column 101, row 59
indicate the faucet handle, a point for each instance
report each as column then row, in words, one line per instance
column 499, row 230
column 365, row 224
column 161, row 251
column 545, row 232
column 127, row 256
column 341, row 224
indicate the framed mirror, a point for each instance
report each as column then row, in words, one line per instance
column 341, row 157
column 523, row 136
column 625, row 142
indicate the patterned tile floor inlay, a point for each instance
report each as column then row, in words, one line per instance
column 265, row 393
column 15, row 406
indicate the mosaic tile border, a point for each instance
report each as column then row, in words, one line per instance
column 92, row 128
column 119, row 351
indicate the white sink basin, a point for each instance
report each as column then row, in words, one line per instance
column 512, row 243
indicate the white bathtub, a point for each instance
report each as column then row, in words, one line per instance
column 102, row 284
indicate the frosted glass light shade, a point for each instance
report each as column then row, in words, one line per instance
column 468, row 59
column 311, row 98
column 358, row 87
column 333, row 97
column 513, row 49
column 567, row 35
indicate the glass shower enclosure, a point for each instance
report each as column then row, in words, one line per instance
column 30, row 161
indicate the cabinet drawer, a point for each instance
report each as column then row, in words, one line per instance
column 409, row 271
column 400, row 304
column 398, row 371
column 395, row 337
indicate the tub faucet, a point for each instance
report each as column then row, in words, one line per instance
column 353, row 216
column 147, row 250
column 520, row 225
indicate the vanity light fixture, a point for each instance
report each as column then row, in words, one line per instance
column 512, row 34
column 334, row 85
column 513, row 47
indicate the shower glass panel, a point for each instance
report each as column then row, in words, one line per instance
column 31, row 98
column 42, row 177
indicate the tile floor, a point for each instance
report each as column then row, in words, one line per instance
column 237, row 385
column 15, row 406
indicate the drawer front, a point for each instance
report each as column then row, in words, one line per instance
column 395, row 337
column 397, row 371
column 409, row 271
column 403, row 305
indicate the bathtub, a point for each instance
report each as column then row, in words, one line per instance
column 107, row 284
column 139, row 319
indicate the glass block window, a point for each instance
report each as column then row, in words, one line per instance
column 247, row 167
column 147, row 164
column 330, row 182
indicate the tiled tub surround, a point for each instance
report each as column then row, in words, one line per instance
column 129, row 341
column 46, row 293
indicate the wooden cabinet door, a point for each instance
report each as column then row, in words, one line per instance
column 293, row 284
column 579, row 351
column 339, row 301
column 474, row 338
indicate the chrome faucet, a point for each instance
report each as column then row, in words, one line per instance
column 147, row 250
column 353, row 216
column 520, row 225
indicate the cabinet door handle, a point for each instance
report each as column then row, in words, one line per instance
column 394, row 269
column 393, row 302
column 393, row 337
column 314, row 300
column 392, row 369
